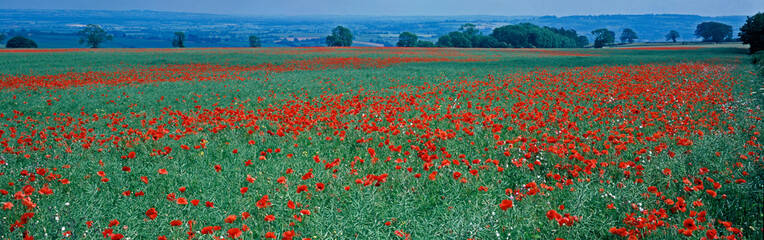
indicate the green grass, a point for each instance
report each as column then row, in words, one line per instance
column 425, row 209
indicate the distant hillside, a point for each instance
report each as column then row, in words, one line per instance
column 55, row 28
column 648, row 27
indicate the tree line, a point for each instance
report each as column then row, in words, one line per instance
column 523, row 35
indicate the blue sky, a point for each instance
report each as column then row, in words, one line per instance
column 408, row 7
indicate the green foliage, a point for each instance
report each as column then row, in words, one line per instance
column 20, row 42
column 628, row 35
column 714, row 32
column 444, row 41
column 581, row 41
column 469, row 36
column 407, row 39
column 460, row 40
column 758, row 60
column 254, row 41
column 526, row 35
column 341, row 37
column 603, row 37
column 752, row 32
column 673, row 35
column 425, row 44
column 179, row 40
column 93, row 35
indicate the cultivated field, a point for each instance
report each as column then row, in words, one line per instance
column 381, row 143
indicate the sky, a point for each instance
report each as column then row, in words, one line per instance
column 408, row 7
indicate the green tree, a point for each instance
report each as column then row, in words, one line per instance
column 460, row 40
column 714, row 32
column 628, row 35
column 752, row 32
column 582, row 41
column 444, row 41
column 603, row 37
column 407, row 39
column 469, row 29
column 527, row 35
column 254, row 41
column 489, row 42
column 20, row 42
column 2, row 37
column 341, row 37
column 425, row 44
column 179, row 40
column 673, row 35
column 93, row 35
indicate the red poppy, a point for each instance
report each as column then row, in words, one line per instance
column 263, row 202
column 151, row 213
column 269, row 218
column 230, row 218
column 711, row 193
column 711, row 234
column 689, row 224
column 234, row 233
column 506, row 204
column 302, row 188
column 175, row 223
column 305, row 212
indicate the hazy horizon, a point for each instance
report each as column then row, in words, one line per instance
column 409, row 7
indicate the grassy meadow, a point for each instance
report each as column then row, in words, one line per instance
column 381, row 143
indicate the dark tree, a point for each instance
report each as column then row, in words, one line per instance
column 2, row 37
column 341, row 37
column 93, row 35
column 407, row 39
column 179, row 40
column 460, row 40
column 444, row 41
column 714, row 32
column 628, row 35
column 673, row 35
column 752, row 32
column 527, row 35
column 425, row 44
column 469, row 29
column 254, row 41
column 20, row 42
column 603, row 37
column 489, row 42
column 582, row 41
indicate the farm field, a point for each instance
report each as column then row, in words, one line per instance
column 381, row 143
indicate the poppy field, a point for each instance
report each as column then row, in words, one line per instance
column 380, row 143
